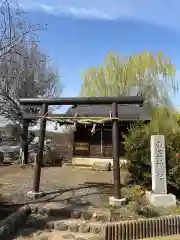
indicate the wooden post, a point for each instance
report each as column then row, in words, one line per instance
column 73, row 145
column 25, row 141
column 39, row 162
column 101, row 141
column 115, row 146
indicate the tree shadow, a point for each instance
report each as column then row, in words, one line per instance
column 85, row 189
column 7, row 209
column 52, row 196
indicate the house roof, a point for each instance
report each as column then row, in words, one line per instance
column 125, row 112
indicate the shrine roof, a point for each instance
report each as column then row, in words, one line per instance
column 125, row 112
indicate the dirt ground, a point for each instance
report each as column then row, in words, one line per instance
column 40, row 236
column 55, row 235
column 175, row 237
column 81, row 185
column 62, row 185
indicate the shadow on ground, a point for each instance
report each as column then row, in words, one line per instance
column 85, row 190
column 102, row 189
column 7, row 209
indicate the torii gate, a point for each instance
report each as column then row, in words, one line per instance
column 114, row 101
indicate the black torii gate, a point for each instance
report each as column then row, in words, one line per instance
column 114, row 101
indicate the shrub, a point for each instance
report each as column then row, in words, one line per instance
column 173, row 161
column 137, row 144
column 178, row 117
column 138, row 154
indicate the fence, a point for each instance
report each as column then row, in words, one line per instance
column 168, row 225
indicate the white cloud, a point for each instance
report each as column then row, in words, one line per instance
column 92, row 13
column 160, row 12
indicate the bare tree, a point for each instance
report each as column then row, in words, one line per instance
column 24, row 70
column 13, row 28
column 15, row 34
column 26, row 75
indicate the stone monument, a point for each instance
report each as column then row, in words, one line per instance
column 159, row 196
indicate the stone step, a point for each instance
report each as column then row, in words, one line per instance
column 74, row 212
column 80, row 236
column 68, row 163
column 74, row 225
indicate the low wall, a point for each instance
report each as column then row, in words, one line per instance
column 89, row 162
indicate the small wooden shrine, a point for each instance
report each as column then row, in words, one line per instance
column 95, row 140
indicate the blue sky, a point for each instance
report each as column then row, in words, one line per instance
column 81, row 32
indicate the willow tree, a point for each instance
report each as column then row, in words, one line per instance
column 145, row 74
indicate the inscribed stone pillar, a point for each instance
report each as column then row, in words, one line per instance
column 158, row 165
column 159, row 197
